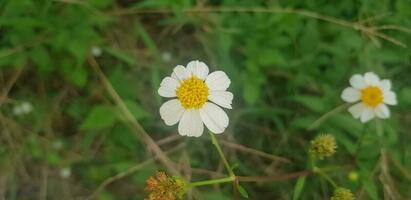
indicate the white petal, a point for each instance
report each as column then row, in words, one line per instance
column 214, row 117
column 357, row 81
column 382, row 111
column 221, row 98
column 351, row 95
column 367, row 115
column 168, row 87
column 174, row 76
column 371, row 78
column 390, row 98
column 171, row 112
column 180, row 72
column 191, row 124
column 217, row 80
column 385, row 84
column 198, row 68
column 356, row 110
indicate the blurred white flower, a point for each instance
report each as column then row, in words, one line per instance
column 65, row 172
column 194, row 88
column 166, row 56
column 96, row 51
column 22, row 108
column 57, row 144
column 372, row 95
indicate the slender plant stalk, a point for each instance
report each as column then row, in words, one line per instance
column 135, row 125
column 325, row 175
column 222, row 156
column 212, row 181
column 378, row 128
column 327, row 115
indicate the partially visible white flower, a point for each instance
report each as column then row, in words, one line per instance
column 371, row 96
column 65, row 172
column 96, row 51
column 57, row 144
column 196, row 94
column 166, row 56
column 22, row 108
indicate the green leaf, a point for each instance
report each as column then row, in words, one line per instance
column 313, row 103
column 101, row 116
column 242, row 191
column 371, row 189
column 298, row 188
column 79, row 76
column 40, row 58
column 120, row 55
column 135, row 109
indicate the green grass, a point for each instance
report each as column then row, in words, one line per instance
column 288, row 62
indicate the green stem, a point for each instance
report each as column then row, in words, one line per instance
column 212, row 181
column 380, row 132
column 217, row 146
column 327, row 115
column 312, row 161
column 324, row 175
column 379, row 128
column 360, row 141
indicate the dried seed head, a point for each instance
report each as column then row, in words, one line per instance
column 163, row 187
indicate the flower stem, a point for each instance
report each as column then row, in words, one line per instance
column 324, row 175
column 379, row 128
column 312, row 161
column 212, row 181
column 327, row 115
column 217, row 146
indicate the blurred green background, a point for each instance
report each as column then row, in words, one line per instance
column 61, row 134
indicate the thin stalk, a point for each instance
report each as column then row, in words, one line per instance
column 137, row 128
column 212, row 181
column 222, row 156
column 327, row 115
column 324, row 175
column 378, row 127
column 380, row 133
column 312, row 161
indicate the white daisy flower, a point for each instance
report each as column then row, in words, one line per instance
column 197, row 94
column 23, row 108
column 96, row 51
column 372, row 95
column 65, row 172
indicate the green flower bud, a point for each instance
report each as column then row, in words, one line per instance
column 323, row 146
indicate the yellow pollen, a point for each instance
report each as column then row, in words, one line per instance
column 192, row 93
column 372, row 96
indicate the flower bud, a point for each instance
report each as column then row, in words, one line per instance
column 342, row 194
column 323, row 146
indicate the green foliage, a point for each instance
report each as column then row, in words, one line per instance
column 100, row 116
column 286, row 68
column 242, row 191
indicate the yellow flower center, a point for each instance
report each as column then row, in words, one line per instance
column 372, row 96
column 192, row 93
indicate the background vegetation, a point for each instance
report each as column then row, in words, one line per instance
column 62, row 134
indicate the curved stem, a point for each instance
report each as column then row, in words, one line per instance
column 324, row 175
column 327, row 115
column 222, row 156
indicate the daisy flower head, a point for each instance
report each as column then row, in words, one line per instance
column 197, row 96
column 370, row 95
